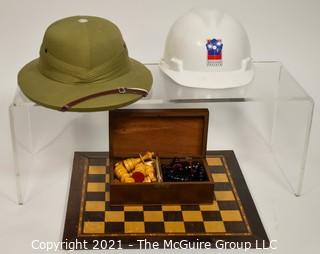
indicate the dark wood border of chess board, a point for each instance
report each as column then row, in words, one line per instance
column 82, row 160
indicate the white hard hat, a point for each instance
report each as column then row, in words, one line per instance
column 207, row 48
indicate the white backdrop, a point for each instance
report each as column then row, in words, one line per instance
column 284, row 30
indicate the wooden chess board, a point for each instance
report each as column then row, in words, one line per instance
column 232, row 216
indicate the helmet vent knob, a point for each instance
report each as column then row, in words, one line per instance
column 82, row 20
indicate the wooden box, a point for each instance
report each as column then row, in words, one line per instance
column 170, row 133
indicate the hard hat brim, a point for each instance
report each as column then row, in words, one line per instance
column 210, row 80
column 55, row 95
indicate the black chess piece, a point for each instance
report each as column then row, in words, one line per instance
column 184, row 171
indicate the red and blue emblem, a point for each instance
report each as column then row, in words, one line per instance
column 214, row 50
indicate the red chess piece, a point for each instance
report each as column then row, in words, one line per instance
column 138, row 177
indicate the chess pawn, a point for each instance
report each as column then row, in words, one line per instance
column 140, row 167
column 129, row 180
column 147, row 179
column 149, row 169
column 131, row 163
column 147, row 156
column 126, row 178
column 120, row 170
column 122, row 174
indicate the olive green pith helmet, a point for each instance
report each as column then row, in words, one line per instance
column 84, row 66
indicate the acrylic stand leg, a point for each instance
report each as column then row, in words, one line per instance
column 15, row 154
column 306, row 145
column 290, row 139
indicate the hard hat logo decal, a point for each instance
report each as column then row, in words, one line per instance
column 214, row 52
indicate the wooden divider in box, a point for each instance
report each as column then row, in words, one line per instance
column 169, row 133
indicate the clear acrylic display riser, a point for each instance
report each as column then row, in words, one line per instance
column 272, row 115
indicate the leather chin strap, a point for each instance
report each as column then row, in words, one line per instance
column 119, row 90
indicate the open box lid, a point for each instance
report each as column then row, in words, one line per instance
column 167, row 132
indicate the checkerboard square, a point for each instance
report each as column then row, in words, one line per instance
column 228, row 205
column 192, row 215
column 97, row 169
column 96, row 178
column 95, row 206
column 214, row 161
column 115, row 207
column 190, row 207
column 115, row 227
column 93, row 227
column 172, row 216
column 214, row 227
column 235, row 227
column 224, row 195
column 222, row 186
column 171, row 208
column 210, row 207
column 154, row 227
column 153, row 216
column 211, row 216
column 95, row 196
column 107, row 196
column 133, row 216
column 93, row 216
column 174, row 227
column 96, row 187
column 114, row 216
column 231, row 215
column 134, row 227
column 220, row 178
column 152, row 207
column 107, row 178
column 218, row 170
column 133, row 208
column 194, row 227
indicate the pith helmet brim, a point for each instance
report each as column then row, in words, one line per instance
column 55, row 95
